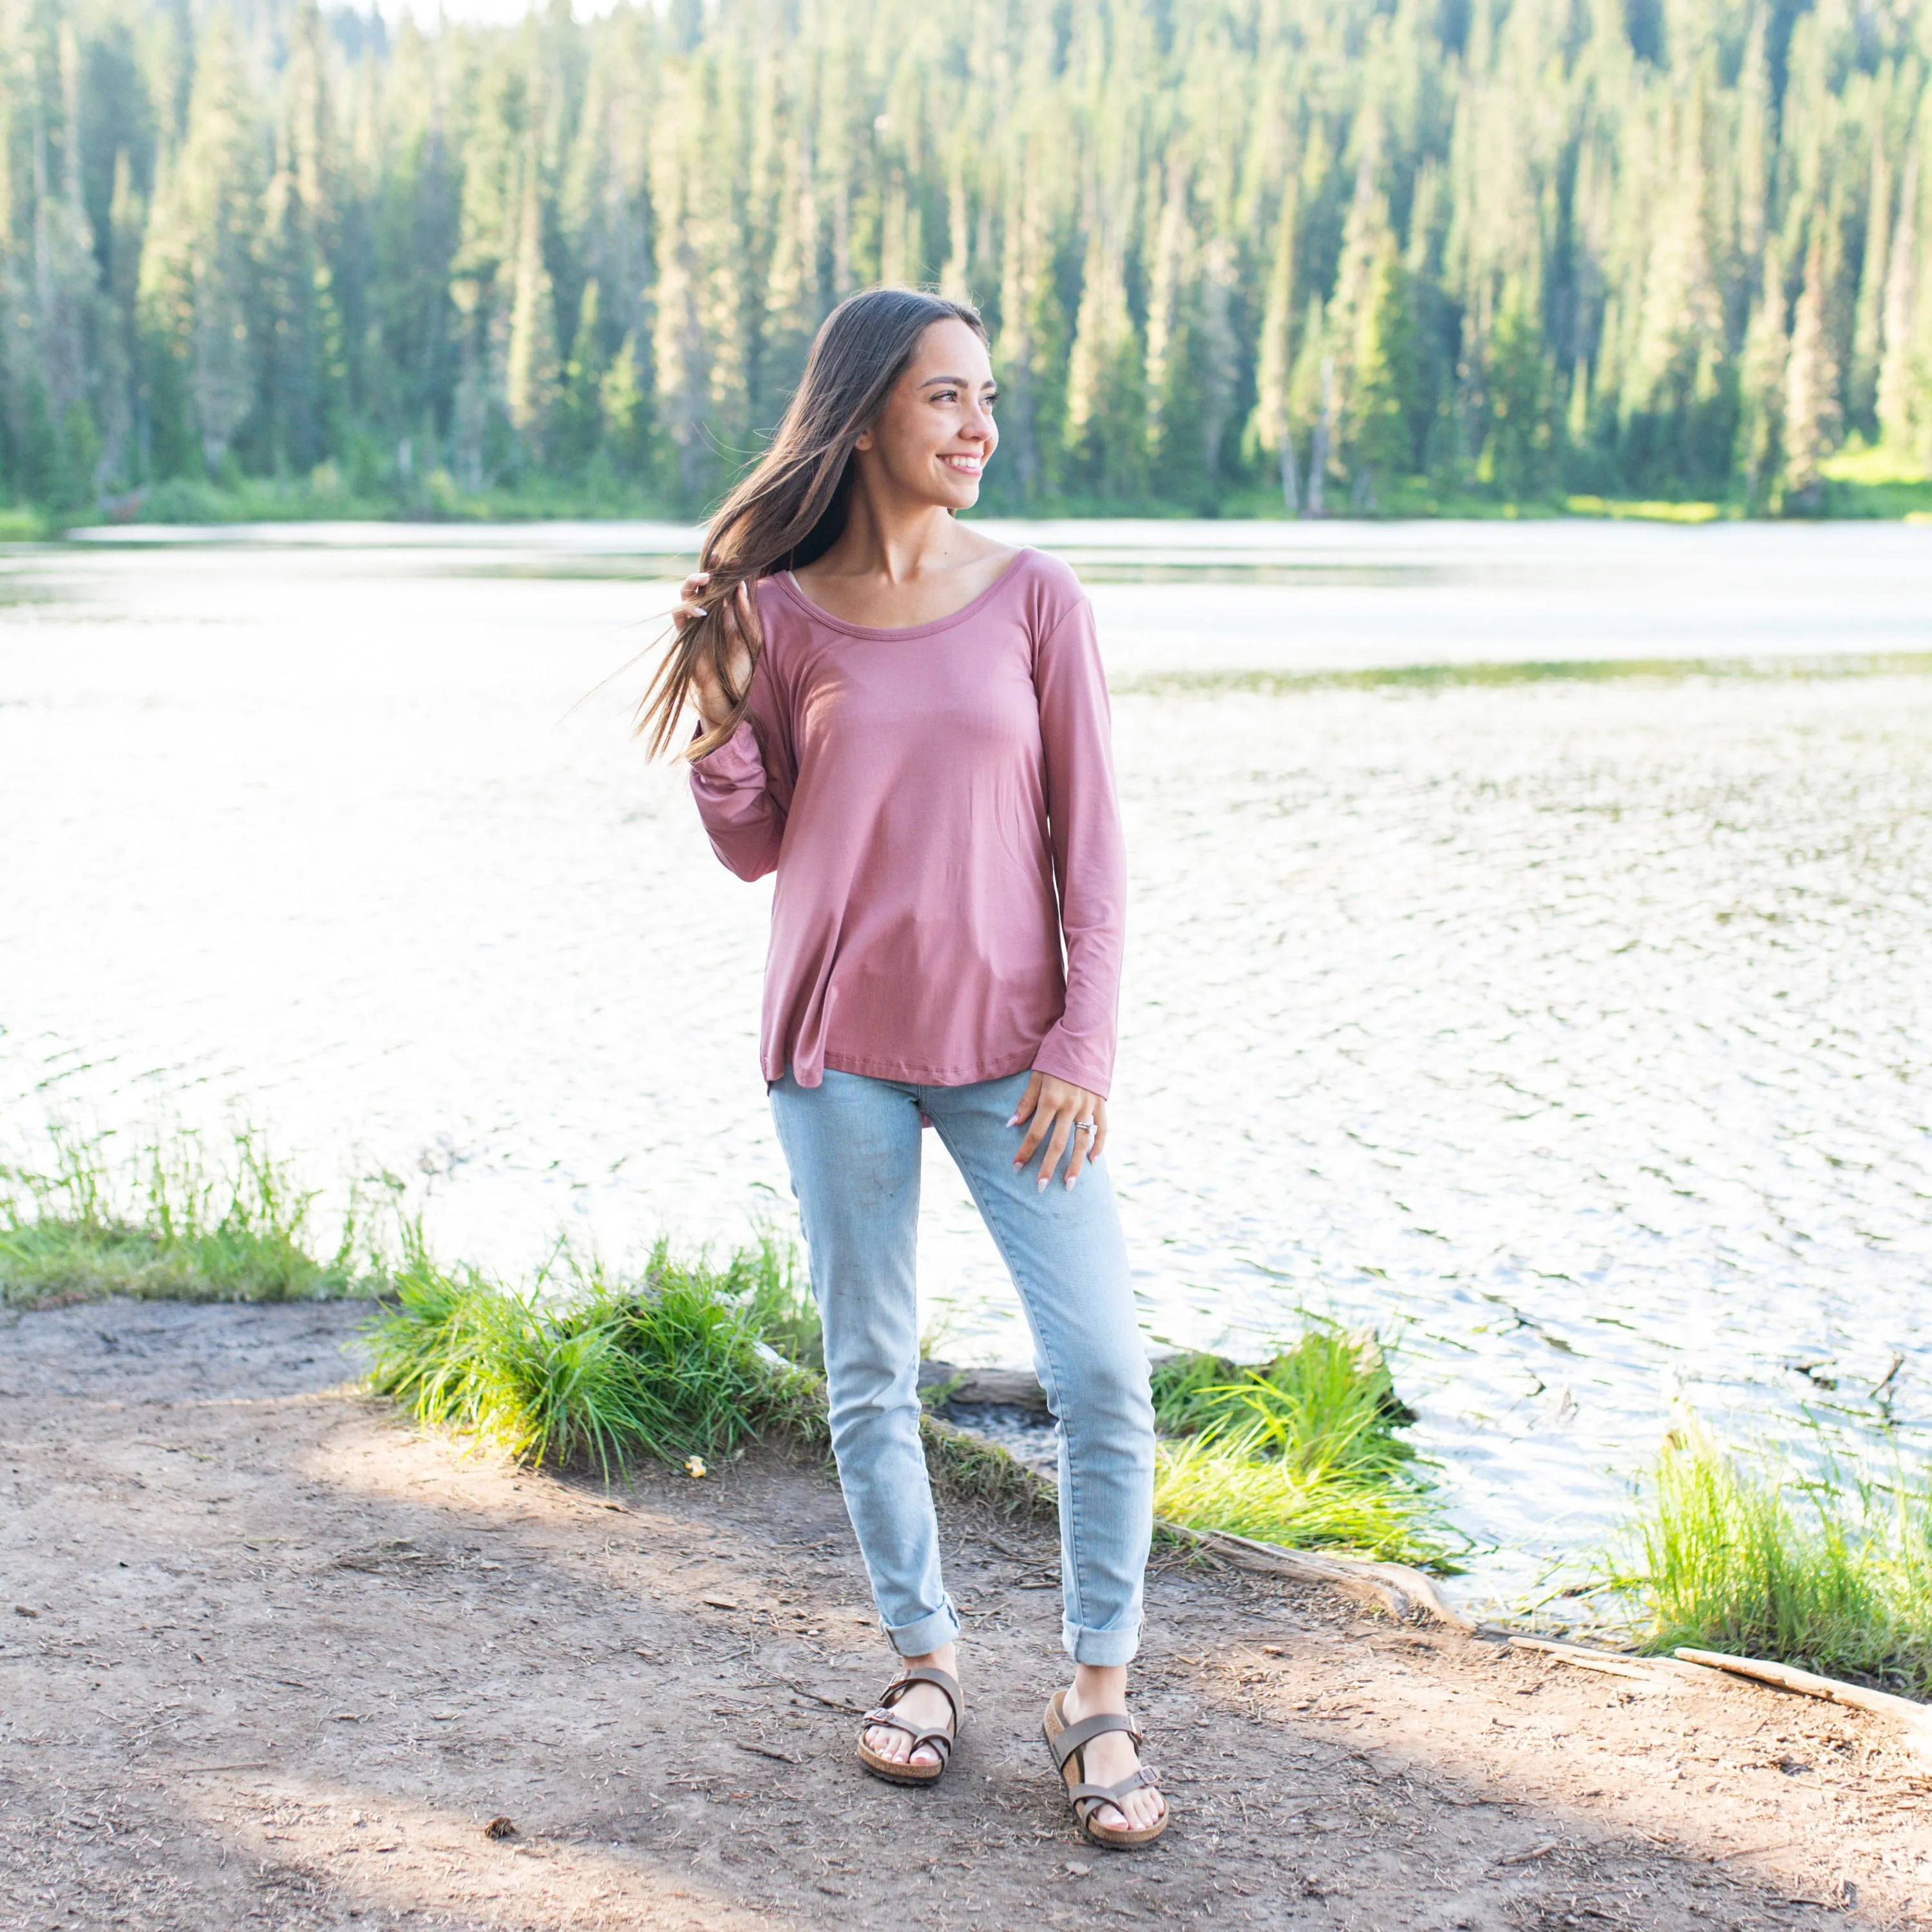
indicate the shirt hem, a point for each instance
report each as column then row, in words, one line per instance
column 912, row 1075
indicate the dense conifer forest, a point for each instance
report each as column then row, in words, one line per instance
column 1236, row 255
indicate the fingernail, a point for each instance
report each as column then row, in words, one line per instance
column 1014, row 1122
column 1042, row 1184
column 1069, row 1183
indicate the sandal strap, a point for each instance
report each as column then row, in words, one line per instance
column 1110, row 1794
column 1071, row 1739
column 884, row 1720
column 926, row 1673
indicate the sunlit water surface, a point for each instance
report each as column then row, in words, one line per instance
column 1571, row 1025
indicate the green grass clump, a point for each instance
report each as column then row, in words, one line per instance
column 1301, row 1451
column 166, row 1225
column 1834, row 1576
column 666, row 1367
column 779, row 1300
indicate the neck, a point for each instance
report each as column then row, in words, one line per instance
column 888, row 535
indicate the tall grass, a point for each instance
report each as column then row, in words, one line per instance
column 780, row 1301
column 1831, row 1574
column 586, row 1368
column 1301, row 1451
column 168, row 1221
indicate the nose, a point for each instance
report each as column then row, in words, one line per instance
column 980, row 425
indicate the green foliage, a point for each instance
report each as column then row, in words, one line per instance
column 1301, row 1451
column 1518, row 457
column 1597, row 252
column 586, row 1369
column 1226, row 1483
column 166, row 1225
column 780, row 1305
column 1831, row 1576
column 1329, row 1402
column 1388, row 406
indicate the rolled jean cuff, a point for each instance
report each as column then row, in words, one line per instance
column 920, row 1639
column 1100, row 1647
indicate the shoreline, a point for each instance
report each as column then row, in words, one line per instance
column 310, row 1651
column 1851, row 496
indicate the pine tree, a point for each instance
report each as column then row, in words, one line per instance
column 1868, row 329
column 202, row 293
column 1811, row 410
column 1106, row 407
column 1903, row 378
column 300, row 344
column 250, row 234
column 580, row 411
column 1761, row 377
column 1518, row 452
column 1385, row 406
column 1275, row 358
column 532, row 380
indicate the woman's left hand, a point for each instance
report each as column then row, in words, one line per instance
column 1069, row 1119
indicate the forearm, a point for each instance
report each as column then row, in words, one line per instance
column 1089, row 854
column 740, row 817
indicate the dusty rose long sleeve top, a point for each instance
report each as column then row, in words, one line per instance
column 938, row 804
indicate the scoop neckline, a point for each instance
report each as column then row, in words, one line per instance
column 788, row 582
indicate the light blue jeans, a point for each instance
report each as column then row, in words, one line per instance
column 852, row 1146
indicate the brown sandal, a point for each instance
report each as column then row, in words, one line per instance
column 897, row 1770
column 1067, row 1742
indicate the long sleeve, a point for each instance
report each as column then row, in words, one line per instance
column 739, row 807
column 1089, row 853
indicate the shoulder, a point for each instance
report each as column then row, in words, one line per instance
column 1052, row 605
column 780, row 615
column 1048, row 576
column 1046, row 589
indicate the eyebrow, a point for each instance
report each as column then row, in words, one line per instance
column 962, row 382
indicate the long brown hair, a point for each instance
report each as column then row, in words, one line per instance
column 791, row 509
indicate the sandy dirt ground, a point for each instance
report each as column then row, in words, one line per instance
column 269, row 1658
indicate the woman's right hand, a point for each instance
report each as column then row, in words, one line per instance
column 706, row 693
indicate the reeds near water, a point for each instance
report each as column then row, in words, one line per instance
column 168, row 1220
column 584, row 1367
column 1301, row 1451
column 1830, row 1573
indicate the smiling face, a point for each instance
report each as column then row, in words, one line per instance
column 936, row 434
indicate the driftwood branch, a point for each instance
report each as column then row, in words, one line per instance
column 1914, row 1720
column 1402, row 1591
column 1586, row 1659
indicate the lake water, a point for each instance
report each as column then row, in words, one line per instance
column 1561, row 1001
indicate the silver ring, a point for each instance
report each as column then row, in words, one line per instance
column 1086, row 1127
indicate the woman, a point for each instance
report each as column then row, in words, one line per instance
column 907, row 722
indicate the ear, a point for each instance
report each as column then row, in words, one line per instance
column 863, row 440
